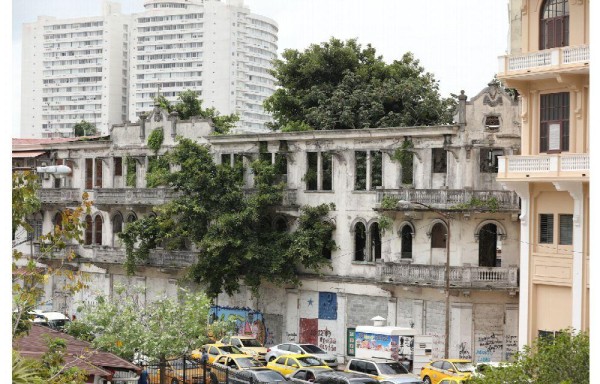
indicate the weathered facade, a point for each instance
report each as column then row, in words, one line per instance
column 433, row 183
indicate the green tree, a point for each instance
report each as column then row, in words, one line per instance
column 190, row 105
column 560, row 359
column 340, row 85
column 164, row 328
column 84, row 128
column 231, row 226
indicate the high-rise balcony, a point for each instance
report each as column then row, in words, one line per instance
column 565, row 166
column 467, row 277
column 453, row 199
column 545, row 63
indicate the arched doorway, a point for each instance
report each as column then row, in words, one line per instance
column 488, row 242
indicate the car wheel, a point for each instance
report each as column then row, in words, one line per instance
column 271, row 358
column 426, row 380
column 174, row 381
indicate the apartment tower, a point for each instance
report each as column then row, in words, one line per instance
column 548, row 64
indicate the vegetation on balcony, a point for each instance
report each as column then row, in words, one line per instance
column 130, row 178
column 155, row 139
column 232, row 229
column 474, row 204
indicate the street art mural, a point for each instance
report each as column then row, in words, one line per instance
column 399, row 347
column 318, row 318
column 248, row 321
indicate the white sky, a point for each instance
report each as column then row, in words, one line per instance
column 456, row 40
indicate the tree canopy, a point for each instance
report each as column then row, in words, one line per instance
column 231, row 227
column 85, row 128
column 340, row 85
column 563, row 358
column 190, row 105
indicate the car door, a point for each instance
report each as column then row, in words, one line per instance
column 446, row 367
column 290, row 366
column 278, row 365
column 300, row 377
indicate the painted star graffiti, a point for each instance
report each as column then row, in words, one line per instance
column 310, row 302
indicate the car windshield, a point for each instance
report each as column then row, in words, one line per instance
column 250, row 343
column 309, row 361
column 227, row 349
column 248, row 362
column 269, row 377
column 392, row 368
column 465, row 367
column 309, row 348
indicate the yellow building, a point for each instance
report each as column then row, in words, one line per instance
column 548, row 64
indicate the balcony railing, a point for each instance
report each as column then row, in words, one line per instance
column 38, row 252
column 133, row 196
column 289, row 196
column 555, row 58
column 59, row 195
column 546, row 166
column 460, row 277
column 450, row 198
column 109, row 255
column 178, row 259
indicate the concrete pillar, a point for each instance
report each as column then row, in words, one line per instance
column 392, row 311
column 292, row 319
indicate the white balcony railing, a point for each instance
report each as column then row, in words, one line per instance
column 460, row 277
column 447, row 198
column 549, row 58
column 59, row 195
column 544, row 165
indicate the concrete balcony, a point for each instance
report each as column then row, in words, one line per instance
column 546, row 63
column 565, row 166
column 66, row 196
column 133, row 196
column 39, row 251
column 289, row 195
column 448, row 199
column 108, row 255
column 173, row 259
column 484, row 278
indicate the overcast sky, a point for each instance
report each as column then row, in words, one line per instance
column 456, row 40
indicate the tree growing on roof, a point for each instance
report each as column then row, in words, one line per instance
column 341, row 85
column 84, row 128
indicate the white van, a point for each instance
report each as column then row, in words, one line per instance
column 54, row 320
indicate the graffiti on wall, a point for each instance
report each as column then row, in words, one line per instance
column 248, row 321
column 438, row 346
column 319, row 316
column 464, row 351
column 510, row 346
column 488, row 347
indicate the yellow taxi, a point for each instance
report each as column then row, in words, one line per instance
column 237, row 362
column 452, row 380
column 214, row 350
column 438, row 370
column 287, row 364
column 247, row 344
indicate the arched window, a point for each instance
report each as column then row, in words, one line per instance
column 57, row 220
column 88, row 230
column 131, row 217
column 117, row 223
column 360, row 242
column 375, row 240
column 488, row 238
column 280, row 225
column 554, row 24
column 438, row 236
column 406, row 237
column 98, row 230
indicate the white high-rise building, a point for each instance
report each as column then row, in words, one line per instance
column 108, row 69
column 219, row 49
column 74, row 70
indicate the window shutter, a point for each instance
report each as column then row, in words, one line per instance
column 565, row 229
column 546, row 228
column 544, row 137
column 89, row 170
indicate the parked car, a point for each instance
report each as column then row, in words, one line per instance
column 287, row 364
column 306, row 375
column 247, row 344
column 237, row 361
column 435, row 371
column 379, row 369
column 402, row 380
column 214, row 350
column 174, row 372
column 335, row 377
column 288, row 348
column 256, row 376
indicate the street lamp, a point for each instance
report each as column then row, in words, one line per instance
column 446, row 220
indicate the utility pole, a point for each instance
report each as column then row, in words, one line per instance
column 446, row 219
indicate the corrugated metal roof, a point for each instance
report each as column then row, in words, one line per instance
column 27, row 154
column 96, row 362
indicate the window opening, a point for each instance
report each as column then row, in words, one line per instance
column 375, row 238
column 488, row 160
column 565, row 229
column 554, row 122
column 98, row 230
column 438, row 236
column 376, row 169
column 360, row 242
column 546, row 228
column 89, row 173
column 360, row 183
column 488, row 238
column 406, row 242
column 439, row 160
column 118, row 166
column 554, row 24
column 88, row 230
column 98, row 182
column 311, row 176
column 327, row 171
